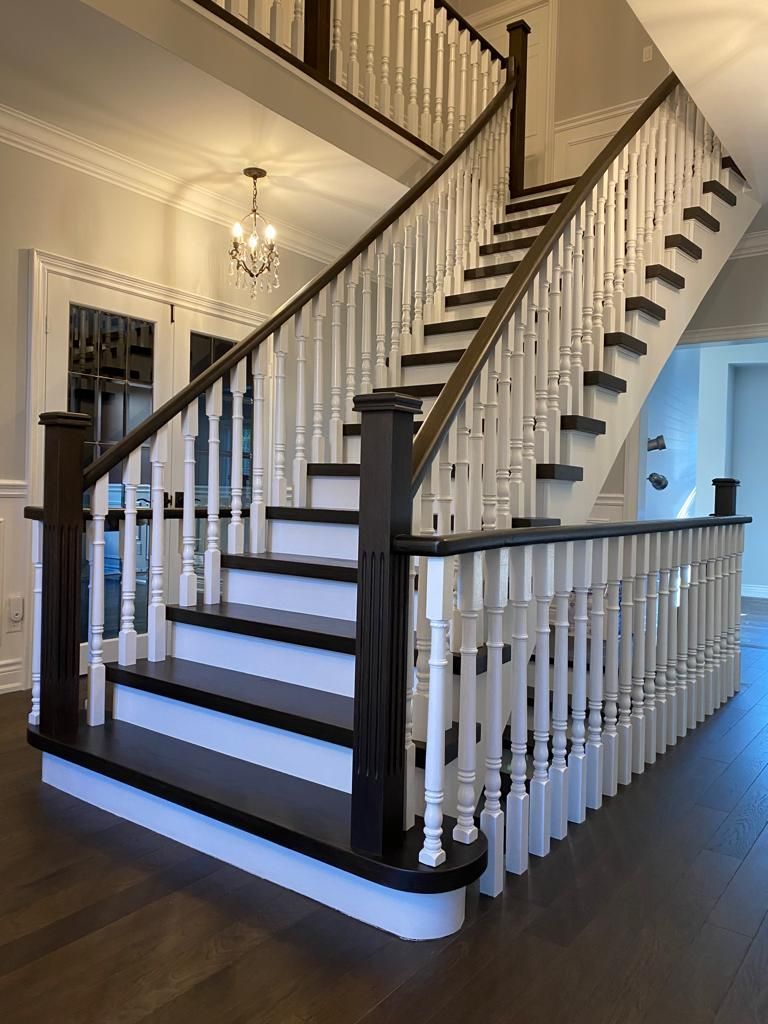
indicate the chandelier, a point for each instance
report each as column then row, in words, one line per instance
column 253, row 256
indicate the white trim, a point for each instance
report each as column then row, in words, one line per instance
column 13, row 488
column 596, row 116
column 754, row 590
column 12, row 676
column 508, row 11
column 732, row 332
column 585, row 130
column 41, row 139
column 754, row 243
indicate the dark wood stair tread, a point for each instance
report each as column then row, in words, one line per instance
column 640, row 304
column 315, row 631
column 518, row 205
column 338, row 516
column 333, row 469
column 291, row 812
column 417, row 390
column 511, row 245
column 606, row 381
column 469, row 298
column 449, row 355
column 622, row 340
column 716, row 188
column 729, row 164
column 558, row 471
column 342, row 570
column 299, row 709
column 495, row 270
column 583, row 425
column 536, row 221
column 470, row 323
column 684, row 245
column 658, row 272
column 698, row 213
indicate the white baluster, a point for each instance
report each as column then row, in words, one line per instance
column 336, row 423
column 441, row 28
column 671, row 223
column 539, row 789
column 517, row 808
column 516, row 412
column 439, row 599
column 353, row 62
column 739, row 559
column 469, row 601
column 598, row 325
column 409, row 255
column 319, row 313
column 624, row 727
column 684, row 690
column 639, row 599
column 449, row 284
column 659, row 184
column 451, row 77
column 399, row 94
column 721, row 693
column 126, row 641
column 662, row 642
column 96, row 669
column 188, row 578
column 461, row 113
column 258, row 16
column 555, row 274
column 577, row 758
column 297, row 29
column 156, row 639
column 609, row 264
column 577, row 318
column 476, row 448
column 492, row 816
column 595, row 750
column 275, row 21
column 350, row 376
column 438, row 302
column 370, row 56
column 651, row 642
column 236, row 528
column 558, row 771
column 565, row 393
column 258, row 528
column 587, row 345
column 709, row 660
column 366, row 344
column 620, row 244
column 529, row 403
column 490, row 441
column 397, row 311
column 461, row 500
column 212, row 558
column 428, row 19
column 380, row 368
column 337, row 55
column 413, row 73
column 299, row 475
column 474, row 80
column 672, row 641
column 428, row 315
column 504, row 350
column 542, row 368
column 689, row 127
column 611, row 683
column 37, row 619
column 279, row 422
column 419, row 287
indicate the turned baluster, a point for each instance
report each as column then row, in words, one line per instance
column 529, row 402
column 639, row 602
column 297, row 29
column 609, row 264
column 430, row 268
column 258, row 16
column 370, row 57
column 474, row 81
column 237, row 384
column 577, row 758
column 588, row 284
column 516, row 410
column 595, row 750
column 695, row 697
column 413, row 73
column 353, row 62
column 598, row 325
column 350, row 366
column 558, row 771
column 409, row 256
column 258, row 528
column 300, row 450
column 212, row 557
column 428, row 20
column 451, row 77
column 438, row 301
column 542, row 366
column 461, row 500
column 380, row 370
column 399, row 79
column 504, row 356
column 619, row 267
column 441, row 28
column 279, row 423
column 385, row 85
column 684, row 690
column 336, row 425
column 156, row 639
column 461, row 113
column 651, row 642
column 517, row 806
column 670, row 224
column 126, row 641
column 449, row 283
column 366, row 342
column 319, row 313
column 709, row 650
column 337, row 54
column 397, row 309
column 555, row 275
column 672, row 642
column 476, row 448
column 720, row 695
column 566, row 327
column 624, row 726
column 659, row 185
column 689, row 127
column 662, row 641
column 96, row 668
column 276, row 22
column 491, row 440
column 37, row 619
column 611, row 683
column 469, row 601
column 539, row 787
column 492, row 816
column 419, row 284
column 188, row 578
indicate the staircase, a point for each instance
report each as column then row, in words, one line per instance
column 315, row 708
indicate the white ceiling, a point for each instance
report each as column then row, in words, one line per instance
column 68, row 65
column 719, row 51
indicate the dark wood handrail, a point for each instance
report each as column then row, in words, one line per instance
column 490, row 540
column 451, row 11
column 438, row 421
column 158, row 419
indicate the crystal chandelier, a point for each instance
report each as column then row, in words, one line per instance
column 253, row 255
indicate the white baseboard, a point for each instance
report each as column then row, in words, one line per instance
column 754, row 590
column 416, row 916
column 12, row 676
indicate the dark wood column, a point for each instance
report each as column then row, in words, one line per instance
column 62, row 543
column 518, row 66
column 384, row 639
column 317, row 36
column 725, row 495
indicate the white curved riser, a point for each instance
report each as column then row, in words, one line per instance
column 291, row 663
column 290, row 593
column 408, row 915
column 303, row 756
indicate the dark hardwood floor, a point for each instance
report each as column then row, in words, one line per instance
column 652, row 911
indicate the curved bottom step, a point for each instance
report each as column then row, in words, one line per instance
column 283, row 829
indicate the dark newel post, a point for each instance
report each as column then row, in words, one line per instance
column 517, row 66
column 725, row 496
column 317, row 36
column 62, row 542
column 383, row 636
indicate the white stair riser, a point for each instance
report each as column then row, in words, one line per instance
column 295, row 537
column 334, row 492
column 507, row 256
column 474, row 309
column 448, row 341
column 559, row 191
column 481, row 283
column 409, row 915
column 435, row 373
column 660, row 291
column 575, row 447
column 537, row 211
column 291, row 753
column 507, row 236
column 352, row 449
column 619, row 362
column 301, row 594
column 598, row 400
column 549, row 494
column 292, row 663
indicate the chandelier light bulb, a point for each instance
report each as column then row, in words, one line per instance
column 270, row 233
column 253, row 255
column 237, row 230
column 253, row 241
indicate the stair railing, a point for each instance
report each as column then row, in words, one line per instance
column 343, row 333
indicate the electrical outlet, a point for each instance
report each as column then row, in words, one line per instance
column 647, row 54
column 15, row 613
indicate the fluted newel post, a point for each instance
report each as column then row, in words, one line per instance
column 725, row 495
column 62, row 545
column 317, row 36
column 384, row 639
column 517, row 66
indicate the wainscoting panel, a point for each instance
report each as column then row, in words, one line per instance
column 579, row 139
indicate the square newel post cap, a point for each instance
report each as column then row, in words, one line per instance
column 725, row 495
column 72, row 420
column 520, row 24
column 386, row 401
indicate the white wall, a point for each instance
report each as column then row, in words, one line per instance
column 749, row 388
column 55, row 209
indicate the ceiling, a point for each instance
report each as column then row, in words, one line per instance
column 92, row 77
column 719, row 50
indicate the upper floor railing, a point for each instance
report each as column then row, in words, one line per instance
column 418, row 66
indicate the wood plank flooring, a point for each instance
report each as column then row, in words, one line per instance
column 652, row 912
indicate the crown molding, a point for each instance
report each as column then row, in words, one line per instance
column 733, row 332
column 41, row 139
column 753, row 244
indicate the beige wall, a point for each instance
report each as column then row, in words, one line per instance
column 738, row 299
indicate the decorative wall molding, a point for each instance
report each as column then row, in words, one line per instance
column 753, row 244
column 731, row 332
column 41, row 139
column 13, row 489
column 578, row 139
column 12, row 675
column 609, row 508
column 505, row 11
column 754, row 590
